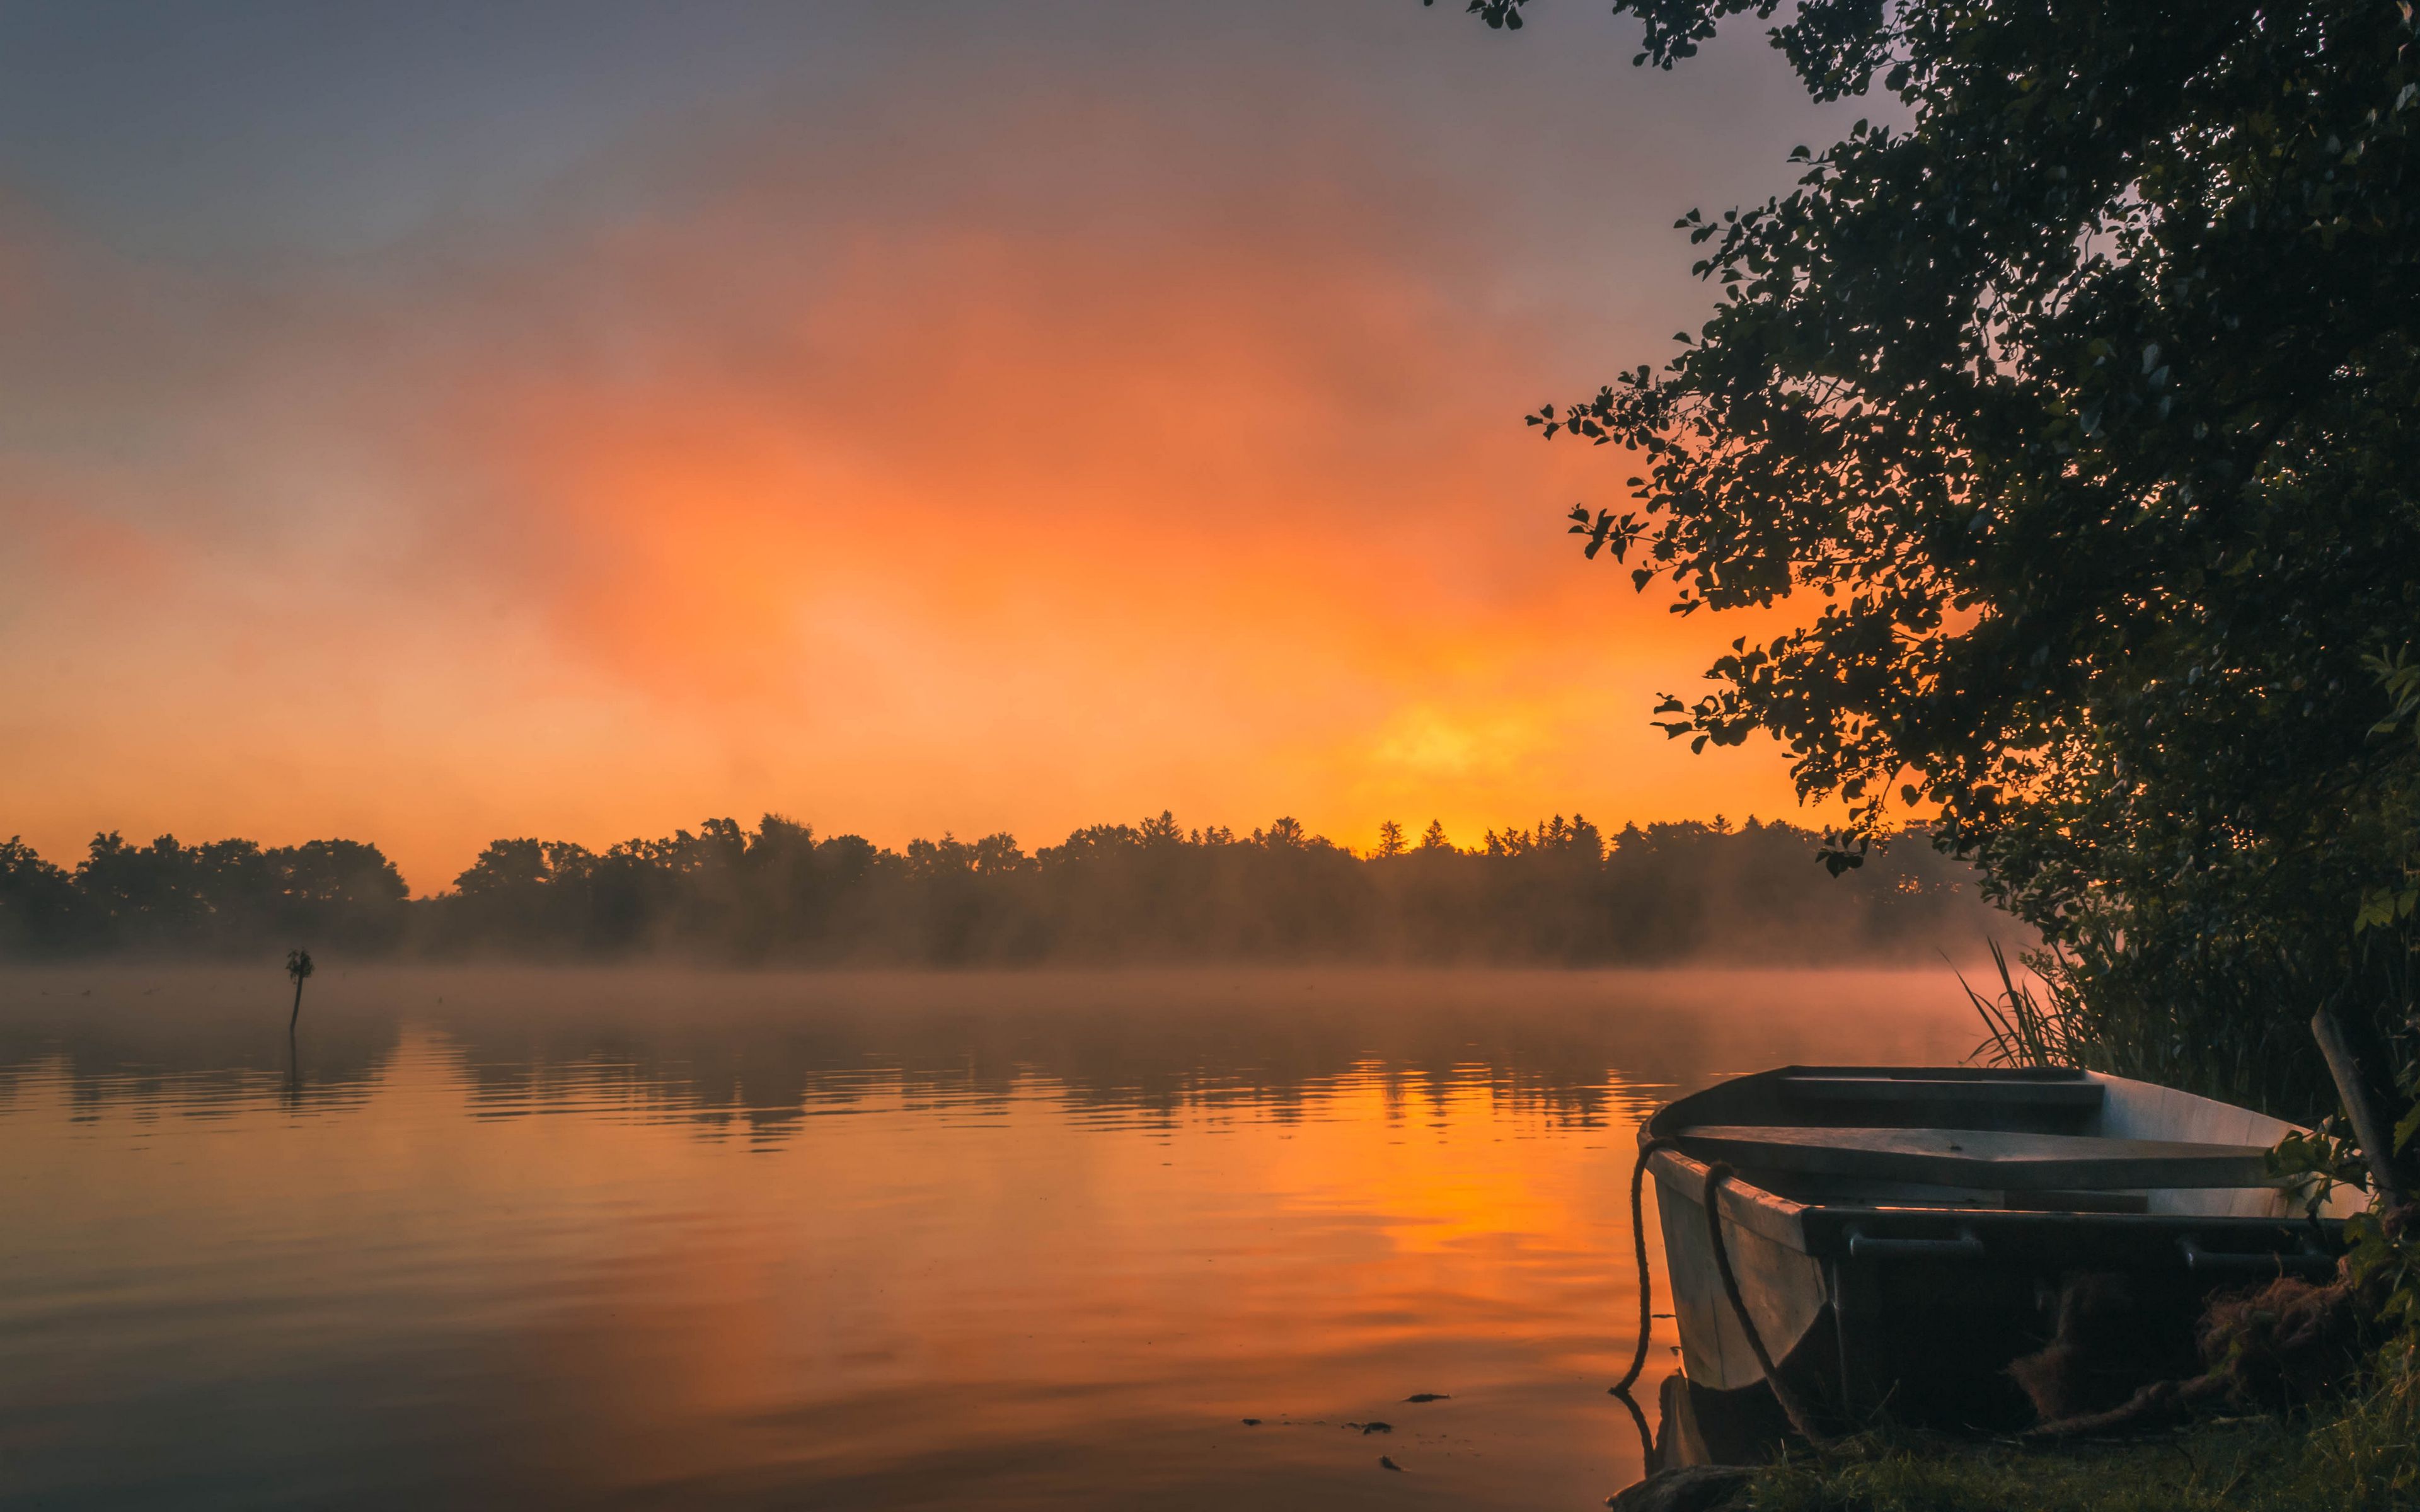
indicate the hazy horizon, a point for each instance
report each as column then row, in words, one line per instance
column 1365, row 846
column 1561, row 892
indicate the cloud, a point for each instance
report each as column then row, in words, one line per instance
column 1012, row 459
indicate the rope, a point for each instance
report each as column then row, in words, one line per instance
column 1646, row 1287
column 1646, row 1438
column 1791, row 1407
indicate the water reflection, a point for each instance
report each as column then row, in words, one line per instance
column 893, row 1240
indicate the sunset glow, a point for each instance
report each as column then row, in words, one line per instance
column 999, row 451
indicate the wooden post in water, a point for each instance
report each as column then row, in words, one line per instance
column 298, row 965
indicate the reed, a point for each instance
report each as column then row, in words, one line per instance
column 2226, row 1016
column 2020, row 1030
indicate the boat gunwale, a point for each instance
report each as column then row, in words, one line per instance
column 1823, row 1229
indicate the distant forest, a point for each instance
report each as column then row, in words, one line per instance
column 1560, row 892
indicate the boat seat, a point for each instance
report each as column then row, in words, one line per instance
column 2078, row 1094
column 1997, row 1159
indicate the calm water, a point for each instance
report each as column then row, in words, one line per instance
column 643, row 1238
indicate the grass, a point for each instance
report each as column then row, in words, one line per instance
column 2358, row 1455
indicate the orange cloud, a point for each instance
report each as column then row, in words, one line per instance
column 1024, row 485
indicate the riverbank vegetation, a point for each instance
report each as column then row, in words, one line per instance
column 2351, row 1455
column 1555, row 892
column 2074, row 397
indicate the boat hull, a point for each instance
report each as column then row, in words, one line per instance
column 1917, row 1306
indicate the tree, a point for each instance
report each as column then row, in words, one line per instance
column 1285, row 833
column 1390, row 839
column 2079, row 413
column 504, row 868
column 525, row 891
column 1434, row 838
column 40, row 908
column 339, row 890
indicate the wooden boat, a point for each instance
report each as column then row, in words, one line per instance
column 1900, row 1235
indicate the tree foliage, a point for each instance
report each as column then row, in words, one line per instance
column 227, row 895
column 2077, row 402
column 1558, row 891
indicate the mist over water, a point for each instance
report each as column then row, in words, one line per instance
column 669, row 1238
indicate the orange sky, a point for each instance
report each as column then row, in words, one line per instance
column 1048, row 472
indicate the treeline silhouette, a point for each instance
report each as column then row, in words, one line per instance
column 1558, row 892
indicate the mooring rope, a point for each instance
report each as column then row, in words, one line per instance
column 1638, row 1245
column 1791, row 1407
column 1787, row 1395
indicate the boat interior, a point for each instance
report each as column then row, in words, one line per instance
column 2013, row 1139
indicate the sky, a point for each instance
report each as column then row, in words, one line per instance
column 427, row 423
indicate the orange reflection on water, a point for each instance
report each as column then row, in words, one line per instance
column 1040, row 1241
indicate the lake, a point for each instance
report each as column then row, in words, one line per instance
column 658, row 1238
